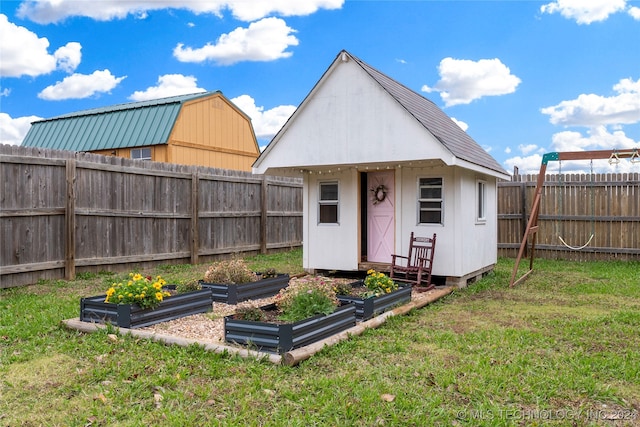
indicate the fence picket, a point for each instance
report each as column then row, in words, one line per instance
column 573, row 206
column 63, row 212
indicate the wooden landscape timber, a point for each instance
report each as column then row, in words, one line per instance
column 290, row 358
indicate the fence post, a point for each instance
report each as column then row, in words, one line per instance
column 195, row 235
column 263, row 216
column 70, row 221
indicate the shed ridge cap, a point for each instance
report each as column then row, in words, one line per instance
column 176, row 99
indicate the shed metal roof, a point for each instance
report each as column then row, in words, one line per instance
column 135, row 124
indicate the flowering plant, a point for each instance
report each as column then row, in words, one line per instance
column 233, row 271
column 142, row 290
column 379, row 283
column 304, row 298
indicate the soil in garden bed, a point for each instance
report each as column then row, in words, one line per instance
column 271, row 315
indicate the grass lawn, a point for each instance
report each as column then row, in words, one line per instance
column 562, row 349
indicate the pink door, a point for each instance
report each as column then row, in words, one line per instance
column 380, row 216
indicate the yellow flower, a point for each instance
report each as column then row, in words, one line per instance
column 157, row 286
column 371, row 271
column 137, row 277
column 159, row 296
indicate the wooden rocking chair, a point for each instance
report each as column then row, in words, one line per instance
column 415, row 268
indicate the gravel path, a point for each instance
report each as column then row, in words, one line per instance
column 204, row 326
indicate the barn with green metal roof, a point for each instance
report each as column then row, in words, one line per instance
column 204, row 129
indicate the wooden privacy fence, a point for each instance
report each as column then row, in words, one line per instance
column 63, row 212
column 573, row 207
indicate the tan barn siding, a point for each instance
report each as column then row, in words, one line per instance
column 202, row 156
column 158, row 152
column 208, row 132
column 222, row 131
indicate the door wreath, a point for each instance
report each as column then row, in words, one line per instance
column 379, row 194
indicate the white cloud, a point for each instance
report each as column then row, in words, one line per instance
column 635, row 13
column 78, row 86
column 527, row 149
column 594, row 110
column 251, row 10
column 265, row 40
column 463, row 80
column 51, row 11
column 13, row 131
column 68, row 57
column 24, row 53
column 526, row 164
column 168, row 85
column 583, row 11
column 464, row 126
column 507, row 150
column 599, row 138
column 265, row 123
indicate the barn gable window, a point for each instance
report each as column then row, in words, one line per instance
column 141, row 153
column 481, row 197
column 430, row 201
column 328, row 203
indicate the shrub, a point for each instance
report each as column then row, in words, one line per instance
column 230, row 272
column 269, row 273
column 254, row 314
column 182, row 288
column 305, row 298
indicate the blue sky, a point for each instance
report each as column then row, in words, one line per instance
column 521, row 77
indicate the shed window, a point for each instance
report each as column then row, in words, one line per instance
column 328, row 203
column 430, row 201
column 481, row 196
column 141, row 153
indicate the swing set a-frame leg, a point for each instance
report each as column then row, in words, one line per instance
column 614, row 156
column 530, row 231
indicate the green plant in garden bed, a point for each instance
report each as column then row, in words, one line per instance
column 565, row 340
column 144, row 291
column 379, row 283
column 303, row 299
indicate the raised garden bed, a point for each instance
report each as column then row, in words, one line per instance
column 95, row 310
column 282, row 337
column 366, row 308
column 234, row 293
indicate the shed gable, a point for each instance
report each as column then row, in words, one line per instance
column 356, row 115
column 349, row 119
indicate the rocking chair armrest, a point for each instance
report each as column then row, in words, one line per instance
column 394, row 257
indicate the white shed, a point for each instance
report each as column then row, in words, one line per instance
column 358, row 133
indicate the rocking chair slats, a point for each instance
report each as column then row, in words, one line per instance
column 415, row 268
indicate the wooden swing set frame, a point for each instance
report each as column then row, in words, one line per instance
column 614, row 157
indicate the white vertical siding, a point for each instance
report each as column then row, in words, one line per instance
column 332, row 246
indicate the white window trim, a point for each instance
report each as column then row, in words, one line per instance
column 329, row 202
column 441, row 200
column 481, row 217
column 141, row 151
